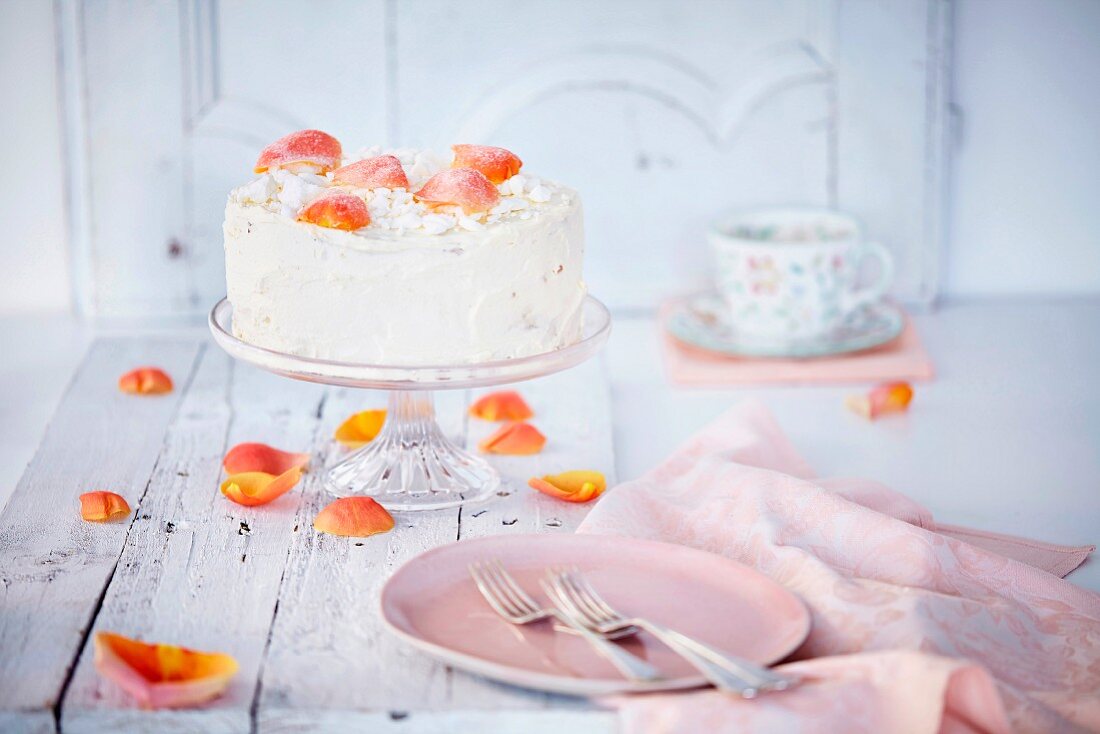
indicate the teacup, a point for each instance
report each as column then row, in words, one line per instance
column 794, row 273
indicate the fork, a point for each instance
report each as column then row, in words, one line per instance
column 726, row 672
column 517, row 607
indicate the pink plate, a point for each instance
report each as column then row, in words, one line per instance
column 432, row 603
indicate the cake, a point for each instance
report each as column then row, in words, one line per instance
column 401, row 257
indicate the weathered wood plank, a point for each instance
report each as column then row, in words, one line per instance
column 328, row 649
column 54, row 566
column 573, row 410
column 199, row 570
column 331, row 665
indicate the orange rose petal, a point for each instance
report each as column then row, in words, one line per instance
column 258, row 488
column 356, row 517
column 361, row 428
column 259, row 457
column 518, row 439
column 314, row 149
column 496, row 164
column 506, row 405
column 889, row 397
column 100, row 506
column 145, row 381
column 162, row 676
column 571, row 486
column 336, row 211
column 462, row 187
column 372, row 173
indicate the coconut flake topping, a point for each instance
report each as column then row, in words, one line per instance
column 288, row 191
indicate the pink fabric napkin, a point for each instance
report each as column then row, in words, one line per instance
column 902, row 359
column 916, row 627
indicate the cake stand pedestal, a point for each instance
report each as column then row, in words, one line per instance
column 411, row 465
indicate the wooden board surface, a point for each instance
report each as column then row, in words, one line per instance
column 298, row 609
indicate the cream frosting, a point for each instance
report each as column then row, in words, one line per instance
column 416, row 286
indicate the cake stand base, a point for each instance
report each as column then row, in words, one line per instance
column 411, row 465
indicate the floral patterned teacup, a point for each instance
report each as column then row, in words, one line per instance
column 794, row 273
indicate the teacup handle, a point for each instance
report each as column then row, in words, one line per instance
column 871, row 293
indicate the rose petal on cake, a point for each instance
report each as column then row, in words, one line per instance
column 336, row 211
column 497, row 164
column 370, row 173
column 162, row 676
column 259, row 457
column 571, row 486
column 360, row 428
column 254, row 488
column 889, row 397
column 505, row 405
column 100, row 506
column 145, row 381
column 462, row 187
column 312, row 148
column 356, row 517
column 516, row 439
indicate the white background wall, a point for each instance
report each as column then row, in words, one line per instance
column 1025, row 203
column 32, row 196
column 1024, row 213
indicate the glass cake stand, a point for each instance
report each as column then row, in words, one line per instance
column 411, row 465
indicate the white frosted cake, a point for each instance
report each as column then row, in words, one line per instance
column 401, row 257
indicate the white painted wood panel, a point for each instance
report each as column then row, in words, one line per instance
column 891, row 98
column 135, row 173
column 53, row 565
column 661, row 113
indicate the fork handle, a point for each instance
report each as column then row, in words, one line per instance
column 629, row 665
column 727, row 672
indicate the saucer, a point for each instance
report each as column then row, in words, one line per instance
column 431, row 602
column 703, row 321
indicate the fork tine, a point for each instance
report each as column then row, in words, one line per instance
column 593, row 596
column 591, row 613
column 551, row 586
column 500, row 588
column 488, row 590
column 516, row 589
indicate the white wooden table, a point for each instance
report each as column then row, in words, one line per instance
column 1007, row 438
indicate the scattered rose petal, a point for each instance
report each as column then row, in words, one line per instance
column 497, row 164
column 571, row 486
column 506, row 405
column 162, row 676
column 462, row 187
column 361, row 428
column 336, row 211
column 101, row 506
column 145, row 381
column 356, row 517
column 254, row 488
column 518, row 439
column 889, row 397
column 371, row 173
column 259, row 457
column 314, row 149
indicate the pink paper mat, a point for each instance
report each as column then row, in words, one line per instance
column 902, row 359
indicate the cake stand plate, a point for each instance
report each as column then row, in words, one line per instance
column 411, row 465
